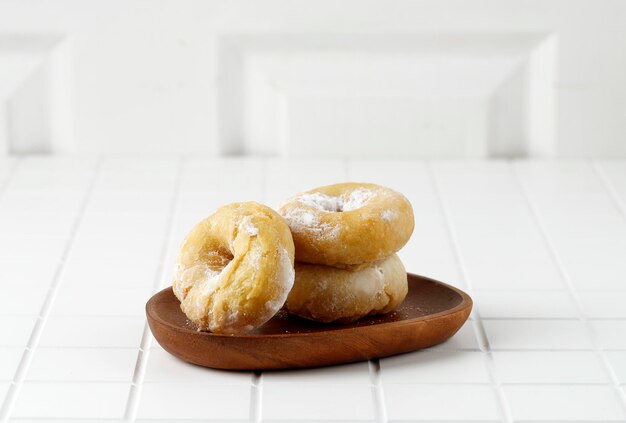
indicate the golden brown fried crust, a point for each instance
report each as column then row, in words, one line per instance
column 381, row 226
column 329, row 294
column 235, row 268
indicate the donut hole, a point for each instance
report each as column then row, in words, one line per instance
column 347, row 202
column 322, row 202
column 218, row 260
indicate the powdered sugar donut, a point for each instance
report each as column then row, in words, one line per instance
column 348, row 224
column 329, row 294
column 235, row 268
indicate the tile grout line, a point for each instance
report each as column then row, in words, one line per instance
column 610, row 188
column 605, row 180
column 13, row 166
column 256, row 394
column 378, row 392
column 582, row 317
column 380, row 408
column 46, row 307
column 256, row 397
column 218, row 385
column 483, row 341
column 132, row 405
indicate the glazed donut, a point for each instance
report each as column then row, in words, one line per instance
column 348, row 224
column 328, row 294
column 235, row 268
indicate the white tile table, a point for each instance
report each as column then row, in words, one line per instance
column 541, row 247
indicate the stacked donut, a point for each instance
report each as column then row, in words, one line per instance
column 235, row 269
column 346, row 236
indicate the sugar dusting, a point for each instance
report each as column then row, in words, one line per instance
column 230, row 316
column 210, row 280
column 363, row 292
column 305, row 218
column 389, row 215
column 246, row 225
column 193, row 286
column 285, row 277
column 321, row 201
column 254, row 255
column 301, row 220
column 370, row 284
column 326, row 203
column 357, row 199
column 210, row 284
column 186, row 280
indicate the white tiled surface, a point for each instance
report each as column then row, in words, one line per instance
column 435, row 366
column 164, row 368
column 92, row 331
column 554, row 366
column 441, row 402
column 82, row 364
column 347, row 374
column 611, row 334
column 618, row 363
column 65, row 400
column 541, row 247
column 564, row 403
column 537, row 335
column 15, row 330
column 293, row 402
column 194, row 401
column 9, row 360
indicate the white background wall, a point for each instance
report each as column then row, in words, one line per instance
column 436, row 78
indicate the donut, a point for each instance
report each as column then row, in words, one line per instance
column 348, row 224
column 329, row 294
column 235, row 268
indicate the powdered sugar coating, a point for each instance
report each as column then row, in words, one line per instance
column 284, row 278
column 328, row 294
column 211, row 280
column 357, row 199
column 193, row 286
column 372, row 283
column 347, row 224
column 248, row 227
column 228, row 276
column 389, row 215
column 302, row 220
column 321, row 201
column 326, row 203
column 254, row 256
column 188, row 279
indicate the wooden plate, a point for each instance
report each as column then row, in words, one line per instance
column 431, row 313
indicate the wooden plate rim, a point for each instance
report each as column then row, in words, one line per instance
column 466, row 301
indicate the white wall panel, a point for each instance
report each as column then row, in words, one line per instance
column 450, row 94
column 315, row 78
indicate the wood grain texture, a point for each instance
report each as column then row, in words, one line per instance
column 431, row 313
